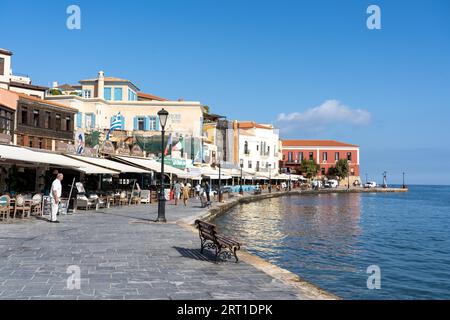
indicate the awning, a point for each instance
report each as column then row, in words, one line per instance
column 216, row 176
column 27, row 155
column 114, row 165
column 151, row 164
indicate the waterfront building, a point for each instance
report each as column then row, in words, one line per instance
column 257, row 145
column 323, row 152
column 36, row 123
column 104, row 99
column 15, row 82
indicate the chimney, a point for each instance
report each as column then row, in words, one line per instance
column 101, row 85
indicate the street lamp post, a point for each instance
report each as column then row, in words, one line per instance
column 270, row 177
column 241, row 191
column 289, row 188
column 163, row 115
column 220, row 178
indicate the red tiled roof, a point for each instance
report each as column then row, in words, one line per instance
column 315, row 143
column 25, row 96
column 252, row 124
column 150, row 96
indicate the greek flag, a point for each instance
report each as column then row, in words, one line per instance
column 116, row 124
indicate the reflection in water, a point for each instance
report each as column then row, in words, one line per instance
column 331, row 239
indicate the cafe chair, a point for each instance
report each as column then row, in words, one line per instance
column 21, row 206
column 36, row 205
column 5, row 207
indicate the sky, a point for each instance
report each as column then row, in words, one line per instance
column 311, row 68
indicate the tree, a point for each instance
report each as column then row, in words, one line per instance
column 309, row 168
column 206, row 109
column 55, row 92
column 340, row 170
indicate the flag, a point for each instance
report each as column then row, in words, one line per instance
column 116, row 124
column 179, row 145
column 169, row 145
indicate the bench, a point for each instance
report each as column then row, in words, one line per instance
column 223, row 246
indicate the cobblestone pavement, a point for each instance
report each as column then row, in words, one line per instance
column 123, row 254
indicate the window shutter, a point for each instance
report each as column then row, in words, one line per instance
column 135, row 123
column 146, row 124
column 157, row 123
column 93, row 120
column 123, row 122
column 79, row 119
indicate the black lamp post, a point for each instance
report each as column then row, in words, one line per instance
column 241, row 191
column 163, row 115
column 220, row 177
column 270, row 177
column 289, row 187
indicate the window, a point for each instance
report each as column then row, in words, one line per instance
column 311, row 156
column 5, row 121
column 2, row 66
column 58, row 122
column 246, row 148
column 268, row 150
column 154, row 124
column 36, row 118
column 325, row 156
column 336, row 156
column 24, row 115
column 87, row 94
column 132, row 95
column 141, row 123
column 118, row 94
column 257, row 147
column 290, row 157
column 349, row 156
column 30, row 142
column 300, row 156
column 107, row 93
column 68, row 123
column 257, row 165
column 249, row 164
column 90, row 120
column 40, row 144
column 47, row 120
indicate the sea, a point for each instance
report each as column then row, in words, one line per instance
column 355, row 245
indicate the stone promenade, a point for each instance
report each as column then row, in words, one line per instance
column 122, row 254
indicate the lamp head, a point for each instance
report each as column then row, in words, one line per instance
column 163, row 115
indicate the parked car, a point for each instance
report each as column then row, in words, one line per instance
column 370, row 184
column 331, row 183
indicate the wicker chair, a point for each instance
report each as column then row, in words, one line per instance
column 36, row 205
column 5, row 207
column 21, row 206
column 123, row 198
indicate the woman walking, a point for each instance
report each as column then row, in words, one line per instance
column 185, row 194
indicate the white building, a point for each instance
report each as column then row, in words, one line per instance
column 17, row 83
column 258, row 146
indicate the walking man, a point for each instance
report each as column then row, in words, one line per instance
column 177, row 191
column 55, row 195
column 186, row 190
column 208, row 191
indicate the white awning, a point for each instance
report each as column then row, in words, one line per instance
column 27, row 155
column 152, row 164
column 118, row 166
column 216, row 176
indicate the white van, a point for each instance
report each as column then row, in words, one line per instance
column 331, row 183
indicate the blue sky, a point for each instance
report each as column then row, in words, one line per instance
column 311, row 68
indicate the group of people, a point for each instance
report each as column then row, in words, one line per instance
column 182, row 191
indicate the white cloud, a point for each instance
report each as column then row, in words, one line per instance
column 329, row 114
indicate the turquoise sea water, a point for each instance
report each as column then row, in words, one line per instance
column 331, row 240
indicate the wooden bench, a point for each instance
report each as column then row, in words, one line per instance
column 223, row 246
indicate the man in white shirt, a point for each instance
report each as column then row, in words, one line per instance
column 55, row 195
